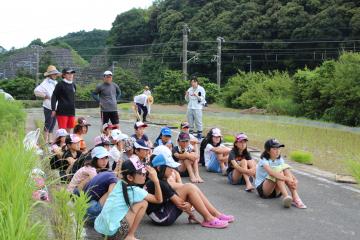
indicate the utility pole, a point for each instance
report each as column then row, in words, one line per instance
column 37, row 48
column 218, row 60
column 186, row 30
column 113, row 66
column 250, row 62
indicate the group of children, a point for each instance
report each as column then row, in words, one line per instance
column 127, row 177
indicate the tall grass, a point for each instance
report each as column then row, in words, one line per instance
column 354, row 169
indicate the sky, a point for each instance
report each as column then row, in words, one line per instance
column 22, row 21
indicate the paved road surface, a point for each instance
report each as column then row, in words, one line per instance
column 333, row 211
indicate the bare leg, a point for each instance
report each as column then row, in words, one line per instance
column 196, row 171
column 187, row 193
column 190, row 170
column 293, row 190
column 134, row 218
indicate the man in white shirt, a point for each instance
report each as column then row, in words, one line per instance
column 141, row 103
column 195, row 96
column 45, row 91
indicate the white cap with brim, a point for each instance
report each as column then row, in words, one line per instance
column 99, row 152
column 106, row 73
column 164, row 160
column 141, row 145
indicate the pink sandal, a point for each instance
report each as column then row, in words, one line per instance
column 216, row 223
column 299, row 204
column 226, row 218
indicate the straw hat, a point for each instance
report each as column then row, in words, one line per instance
column 51, row 70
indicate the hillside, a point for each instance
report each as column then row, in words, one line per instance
column 87, row 44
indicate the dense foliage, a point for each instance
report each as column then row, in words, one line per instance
column 19, row 88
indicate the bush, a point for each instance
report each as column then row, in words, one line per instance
column 302, row 157
column 229, row 138
column 282, row 106
column 128, row 83
column 354, row 169
column 83, row 92
column 12, row 117
column 20, row 87
column 173, row 87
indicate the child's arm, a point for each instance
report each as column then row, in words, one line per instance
column 157, row 198
column 181, row 204
column 221, row 150
column 239, row 168
column 276, row 174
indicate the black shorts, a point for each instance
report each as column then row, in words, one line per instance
column 112, row 116
column 166, row 215
column 261, row 193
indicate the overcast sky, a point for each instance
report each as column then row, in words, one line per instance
column 22, row 21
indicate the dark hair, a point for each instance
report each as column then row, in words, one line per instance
column 265, row 154
column 57, row 141
column 237, row 151
column 94, row 163
column 78, row 129
column 124, row 185
column 204, row 142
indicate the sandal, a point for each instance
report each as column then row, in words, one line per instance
column 299, row 204
column 216, row 223
column 192, row 219
column 287, row 201
column 227, row 218
column 249, row 189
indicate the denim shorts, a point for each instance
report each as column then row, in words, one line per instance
column 93, row 211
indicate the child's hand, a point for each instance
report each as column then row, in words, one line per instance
column 152, row 173
column 186, row 207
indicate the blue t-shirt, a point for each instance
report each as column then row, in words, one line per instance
column 99, row 185
column 115, row 208
column 261, row 174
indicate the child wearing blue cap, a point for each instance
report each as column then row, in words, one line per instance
column 182, row 199
column 164, row 138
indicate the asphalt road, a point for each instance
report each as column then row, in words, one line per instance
column 333, row 209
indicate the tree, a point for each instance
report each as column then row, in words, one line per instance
column 20, row 87
column 128, row 83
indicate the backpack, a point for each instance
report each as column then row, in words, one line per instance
column 203, row 144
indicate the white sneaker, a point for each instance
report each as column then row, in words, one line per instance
column 287, row 201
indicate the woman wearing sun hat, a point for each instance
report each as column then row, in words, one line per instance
column 45, row 91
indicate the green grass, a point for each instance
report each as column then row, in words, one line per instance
column 330, row 147
column 125, row 106
column 17, row 207
column 354, row 169
column 302, row 157
column 229, row 138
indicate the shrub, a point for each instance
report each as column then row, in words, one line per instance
column 229, row 138
column 302, row 157
column 19, row 88
column 83, row 92
column 354, row 169
column 282, row 106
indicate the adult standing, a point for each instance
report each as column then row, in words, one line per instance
column 141, row 103
column 195, row 96
column 64, row 97
column 107, row 94
column 45, row 91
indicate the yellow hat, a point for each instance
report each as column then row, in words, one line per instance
column 51, row 70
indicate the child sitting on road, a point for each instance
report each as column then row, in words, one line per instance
column 59, row 143
column 215, row 153
column 181, row 199
column 127, row 203
column 164, row 138
column 185, row 127
column 241, row 168
column 117, row 150
column 80, row 129
column 273, row 176
column 185, row 154
column 140, row 133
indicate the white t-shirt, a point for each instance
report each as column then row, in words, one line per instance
column 114, row 155
column 208, row 151
column 141, row 99
column 46, row 88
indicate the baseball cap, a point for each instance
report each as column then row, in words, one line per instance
column 141, row 144
column 108, row 73
column 106, row 125
column 99, row 140
column 128, row 144
column 166, row 131
column 117, row 135
column 81, row 121
column 216, row 132
column 240, row 137
column 61, row 133
column 68, row 70
column 72, row 138
column 162, row 149
column 272, row 143
column 99, row 152
column 184, row 137
column 164, row 160
column 184, row 125
column 133, row 165
column 139, row 125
